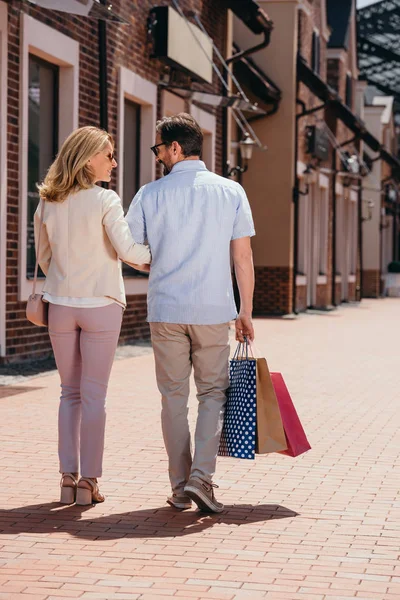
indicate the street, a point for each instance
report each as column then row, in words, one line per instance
column 325, row 525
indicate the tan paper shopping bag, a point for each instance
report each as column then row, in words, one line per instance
column 270, row 435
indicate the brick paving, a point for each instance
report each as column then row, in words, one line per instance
column 324, row 526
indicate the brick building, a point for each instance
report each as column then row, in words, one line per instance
column 295, row 91
column 60, row 69
column 308, row 200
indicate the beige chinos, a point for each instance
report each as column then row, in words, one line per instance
column 176, row 348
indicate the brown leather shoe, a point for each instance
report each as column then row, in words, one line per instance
column 202, row 493
column 88, row 492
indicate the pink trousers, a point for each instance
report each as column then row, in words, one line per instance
column 84, row 341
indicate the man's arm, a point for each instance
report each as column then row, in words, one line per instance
column 244, row 270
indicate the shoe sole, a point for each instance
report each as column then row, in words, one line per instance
column 201, row 500
column 182, row 506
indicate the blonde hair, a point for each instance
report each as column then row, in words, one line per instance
column 70, row 171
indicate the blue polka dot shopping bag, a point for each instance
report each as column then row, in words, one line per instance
column 252, row 421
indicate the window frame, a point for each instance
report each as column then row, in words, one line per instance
column 55, row 125
column 54, row 47
column 141, row 91
column 316, row 52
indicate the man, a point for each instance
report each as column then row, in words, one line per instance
column 194, row 221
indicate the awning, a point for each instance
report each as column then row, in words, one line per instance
column 258, row 82
column 330, row 97
column 84, row 8
column 392, row 161
column 251, row 14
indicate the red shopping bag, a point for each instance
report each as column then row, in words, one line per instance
column 296, row 438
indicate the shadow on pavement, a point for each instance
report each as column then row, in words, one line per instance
column 148, row 523
column 7, row 391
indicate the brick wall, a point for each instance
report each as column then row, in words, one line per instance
column 273, row 291
column 127, row 46
column 323, row 296
column 301, row 298
column 371, row 283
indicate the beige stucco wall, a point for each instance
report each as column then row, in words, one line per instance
column 269, row 180
column 372, row 192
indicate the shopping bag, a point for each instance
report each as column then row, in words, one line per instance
column 238, row 437
column 252, row 421
column 297, row 442
column 270, row 434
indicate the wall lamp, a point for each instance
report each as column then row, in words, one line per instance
column 307, row 171
column 370, row 205
column 246, row 146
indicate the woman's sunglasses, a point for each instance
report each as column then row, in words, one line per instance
column 154, row 149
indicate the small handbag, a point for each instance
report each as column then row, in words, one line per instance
column 36, row 310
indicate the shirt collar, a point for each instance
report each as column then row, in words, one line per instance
column 189, row 165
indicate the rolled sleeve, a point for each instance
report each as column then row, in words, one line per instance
column 243, row 225
column 135, row 218
column 118, row 231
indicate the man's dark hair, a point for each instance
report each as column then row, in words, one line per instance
column 185, row 130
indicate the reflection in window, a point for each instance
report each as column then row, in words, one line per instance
column 42, row 138
column 131, row 158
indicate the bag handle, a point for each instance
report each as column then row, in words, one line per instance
column 242, row 350
column 37, row 251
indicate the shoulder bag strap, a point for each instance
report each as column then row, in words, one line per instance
column 38, row 248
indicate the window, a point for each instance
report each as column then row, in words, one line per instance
column 49, row 62
column 316, row 52
column 131, row 158
column 349, row 90
column 42, row 139
column 137, row 108
column 324, row 231
column 353, row 234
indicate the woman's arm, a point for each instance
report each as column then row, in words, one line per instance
column 44, row 252
column 119, row 233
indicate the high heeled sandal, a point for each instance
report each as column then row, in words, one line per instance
column 68, row 488
column 88, row 495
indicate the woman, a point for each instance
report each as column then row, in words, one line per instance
column 83, row 236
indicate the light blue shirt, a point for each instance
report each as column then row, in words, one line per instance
column 189, row 218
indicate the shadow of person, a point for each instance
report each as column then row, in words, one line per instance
column 147, row 523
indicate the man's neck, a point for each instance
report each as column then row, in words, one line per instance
column 188, row 158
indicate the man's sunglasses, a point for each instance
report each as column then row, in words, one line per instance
column 154, row 149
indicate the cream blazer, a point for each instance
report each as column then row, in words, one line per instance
column 83, row 241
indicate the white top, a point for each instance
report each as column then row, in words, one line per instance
column 83, row 240
column 94, row 302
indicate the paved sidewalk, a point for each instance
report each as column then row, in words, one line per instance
column 324, row 526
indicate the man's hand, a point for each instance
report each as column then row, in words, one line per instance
column 244, row 327
column 143, row 268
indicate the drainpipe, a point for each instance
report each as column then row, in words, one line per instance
column 360, row 292
column 103, row 79
column 261, row 25
column 297, row 193
column 334, row 218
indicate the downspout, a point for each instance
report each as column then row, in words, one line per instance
column 297, row 193
column 360, row 292
column 296, row 197
column 266, row 28
column 103, row 79
column 334, row 218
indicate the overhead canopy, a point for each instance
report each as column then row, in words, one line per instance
column 93, row 9
column 378, row 41
column 329, row 96
column 258, row 82
column 251, row 14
